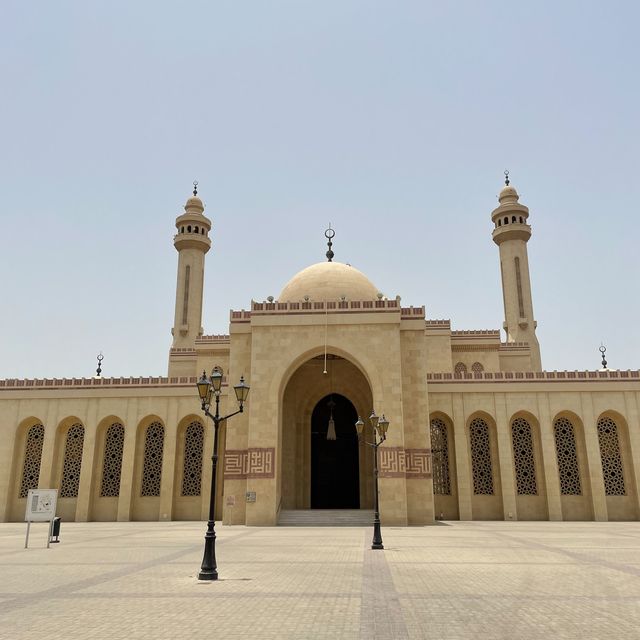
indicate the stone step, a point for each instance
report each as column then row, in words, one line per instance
column 326, row 518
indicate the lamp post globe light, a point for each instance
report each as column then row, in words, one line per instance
column 380, row 426
column 208, row 389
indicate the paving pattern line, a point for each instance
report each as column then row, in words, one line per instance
column 583, row 558
column 381, row 616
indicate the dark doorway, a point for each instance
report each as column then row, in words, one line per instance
column 334, row 463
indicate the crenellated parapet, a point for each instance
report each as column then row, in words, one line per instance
column 533, row 376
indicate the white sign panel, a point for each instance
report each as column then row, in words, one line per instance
column 41, row 505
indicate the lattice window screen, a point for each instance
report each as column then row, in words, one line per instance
column 481, row 457
column 610, row 457
column 460, row 367
column 112, row 465
column 192, row 471
column 440, row 458
column 32, row 460
column 152, row 466
column 567, row 455
column 477, row 367
column 72, row 462
column 523, row 458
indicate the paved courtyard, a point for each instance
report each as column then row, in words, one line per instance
column 487, row 580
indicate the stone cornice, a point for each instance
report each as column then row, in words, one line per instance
column 110, row 383
column 532, row 376
column 331, row 307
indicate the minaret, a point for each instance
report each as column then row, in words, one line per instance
column 511, row 234
column 192, row 243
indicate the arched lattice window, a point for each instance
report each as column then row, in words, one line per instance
column 523, row 457
column 461, row 367
column 440, row 458
column 476, row 367
column 152, row 466
column 72, row 462
column 567, row 457
column 112, row 465
column 481, row 457
column 32, row 459
column 610, row 457
column 192, row 471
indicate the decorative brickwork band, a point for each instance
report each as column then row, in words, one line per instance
column 240, row 464
column 396, row 462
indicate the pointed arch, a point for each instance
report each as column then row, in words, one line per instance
column 571, row 456
column 617, row 466
column 485, row 478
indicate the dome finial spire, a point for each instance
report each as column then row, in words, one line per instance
column 195, row 188
column 506, row 177
column 328, row 234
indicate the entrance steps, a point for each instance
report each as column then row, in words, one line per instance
column 326, row 518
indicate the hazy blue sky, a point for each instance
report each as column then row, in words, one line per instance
column 392, row 120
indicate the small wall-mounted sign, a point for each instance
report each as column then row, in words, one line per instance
column 251, row 496
column 231, row 501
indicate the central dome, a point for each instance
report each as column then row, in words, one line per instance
column 328, row 281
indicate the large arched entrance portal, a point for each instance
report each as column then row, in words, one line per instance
column 318, row 473
column 335, row 482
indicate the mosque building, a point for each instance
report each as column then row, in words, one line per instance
column 478, row 430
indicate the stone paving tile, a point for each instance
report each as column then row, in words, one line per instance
column 515, row 580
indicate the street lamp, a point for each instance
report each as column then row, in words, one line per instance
column 208, row 388
column 380, row 426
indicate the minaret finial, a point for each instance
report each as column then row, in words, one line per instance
column 328, row 234
column 195, row 188
column 99, row 369
column 602, row 349
column 506, row 177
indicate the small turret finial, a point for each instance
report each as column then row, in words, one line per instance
column 602, row 349
column 99, row 369
column 506, row 177
column 195, row 188
column 328, row 234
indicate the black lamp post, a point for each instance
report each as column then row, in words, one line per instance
column 380, row 426
column 207, row 389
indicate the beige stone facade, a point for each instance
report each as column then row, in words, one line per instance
column 478, row 429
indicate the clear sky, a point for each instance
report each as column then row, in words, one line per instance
column 392, row 120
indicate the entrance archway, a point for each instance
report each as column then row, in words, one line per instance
column 316, row 473
column 335, row 482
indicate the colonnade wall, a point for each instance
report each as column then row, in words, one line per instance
column 535, row 450
column 527, row 448
column 139, row 451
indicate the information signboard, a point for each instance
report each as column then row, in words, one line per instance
column 41, row 507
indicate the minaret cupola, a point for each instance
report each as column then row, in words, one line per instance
column 193, row 226
column 510, row 217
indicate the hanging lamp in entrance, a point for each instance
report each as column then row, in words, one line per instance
column 331, row 429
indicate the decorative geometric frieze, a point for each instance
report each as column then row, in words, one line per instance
column 396, row 462
column 255, row 462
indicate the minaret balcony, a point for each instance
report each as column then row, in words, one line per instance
column 191, row 241
column 511, row 231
